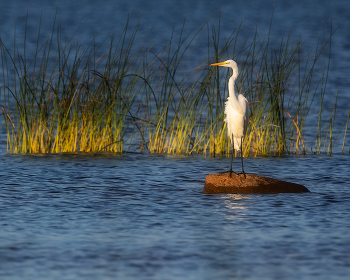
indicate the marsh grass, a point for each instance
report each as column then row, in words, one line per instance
column 70, row 98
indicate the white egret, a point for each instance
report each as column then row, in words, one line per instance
column 236, row 111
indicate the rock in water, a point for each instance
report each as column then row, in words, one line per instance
column 222, row 183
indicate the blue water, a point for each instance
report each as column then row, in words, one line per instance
column 140, row 216
column 145, row 217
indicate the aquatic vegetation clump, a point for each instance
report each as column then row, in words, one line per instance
column 70, row 98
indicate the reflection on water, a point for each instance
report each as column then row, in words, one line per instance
column 231, row 203
column 234, row 196
column 126, row 216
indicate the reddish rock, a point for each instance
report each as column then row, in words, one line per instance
column 222, row 183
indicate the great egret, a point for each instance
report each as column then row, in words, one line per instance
column 236, row 111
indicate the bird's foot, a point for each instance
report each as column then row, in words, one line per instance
column 232, row 172
column 245, row 177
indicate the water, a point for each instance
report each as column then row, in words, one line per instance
column 145, row 217
column 139, row 216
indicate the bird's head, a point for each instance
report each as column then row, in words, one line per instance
column 228, row 63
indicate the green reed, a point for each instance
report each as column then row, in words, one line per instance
column 70, row 98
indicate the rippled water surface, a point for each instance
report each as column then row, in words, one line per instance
column 145, row 217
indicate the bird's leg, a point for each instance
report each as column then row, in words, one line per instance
column 242, row 156
column 233, row 151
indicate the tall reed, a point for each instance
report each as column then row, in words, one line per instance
column 70, row 98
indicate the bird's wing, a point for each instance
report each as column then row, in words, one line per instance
column 243, row 105
column 245, row 111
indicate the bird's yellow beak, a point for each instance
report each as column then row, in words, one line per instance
column 218, row 64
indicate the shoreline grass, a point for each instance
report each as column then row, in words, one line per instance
column 70, row 98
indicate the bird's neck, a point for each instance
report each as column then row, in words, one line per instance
column 231, row 86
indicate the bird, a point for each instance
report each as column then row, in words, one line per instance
column 236, row 111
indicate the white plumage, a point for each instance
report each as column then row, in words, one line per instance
column 236, row 110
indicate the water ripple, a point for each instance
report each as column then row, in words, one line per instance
column 134, row 215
